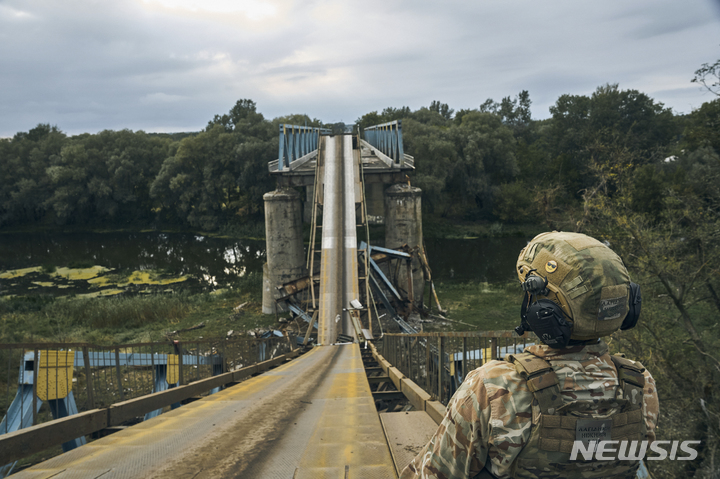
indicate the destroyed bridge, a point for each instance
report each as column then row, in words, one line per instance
column 354, row 394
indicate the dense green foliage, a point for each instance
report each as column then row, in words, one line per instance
column 205, row 180
column 83, row 179
column 496, row 163
column 202, row 180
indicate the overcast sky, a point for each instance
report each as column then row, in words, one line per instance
column 170, row 65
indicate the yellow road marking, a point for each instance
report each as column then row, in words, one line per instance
column 349, row 433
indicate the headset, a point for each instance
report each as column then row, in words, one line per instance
column 635, row 306
column 550, row 323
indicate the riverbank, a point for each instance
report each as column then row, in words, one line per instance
column 254, row 229
column 478, row 306
column 136, row 318
column 158, row 317
column 434, row 227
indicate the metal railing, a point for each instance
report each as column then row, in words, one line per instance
column 40, row 382
column 387, row 137
column 297, row 142
column 438, row 362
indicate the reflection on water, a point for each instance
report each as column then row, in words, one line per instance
column 483, row 259
column 155, row 258
column 142, row 261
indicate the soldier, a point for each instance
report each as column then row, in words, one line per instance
column 519, row 418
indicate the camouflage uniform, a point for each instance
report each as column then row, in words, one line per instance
column 489, row 419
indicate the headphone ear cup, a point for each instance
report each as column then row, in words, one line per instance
column 547, row 320
column 635, row 306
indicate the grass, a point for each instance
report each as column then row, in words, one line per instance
column 128, row 318
column 140, row 318
column 480, row 306
column 119, row 312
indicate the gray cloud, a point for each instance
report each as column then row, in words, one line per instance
column 88, row 66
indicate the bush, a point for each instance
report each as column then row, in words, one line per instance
column 514, row 203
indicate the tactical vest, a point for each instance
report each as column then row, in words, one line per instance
column 556, row 424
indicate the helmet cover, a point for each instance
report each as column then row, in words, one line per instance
column 585, row 278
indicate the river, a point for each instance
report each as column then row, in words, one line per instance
column 101, row 264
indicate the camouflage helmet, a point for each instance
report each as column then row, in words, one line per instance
column 585, row 278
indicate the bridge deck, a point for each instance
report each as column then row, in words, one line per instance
column 338, row 270
column 313, row 417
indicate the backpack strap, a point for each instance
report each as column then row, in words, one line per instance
column 541, row 380
column 632, row 380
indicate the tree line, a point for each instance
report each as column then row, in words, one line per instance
column 492, row 163
column 496, row 163
column 200, row 180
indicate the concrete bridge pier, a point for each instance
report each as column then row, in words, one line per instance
column 403, row 225
column 284, row 244
column 375, row 201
